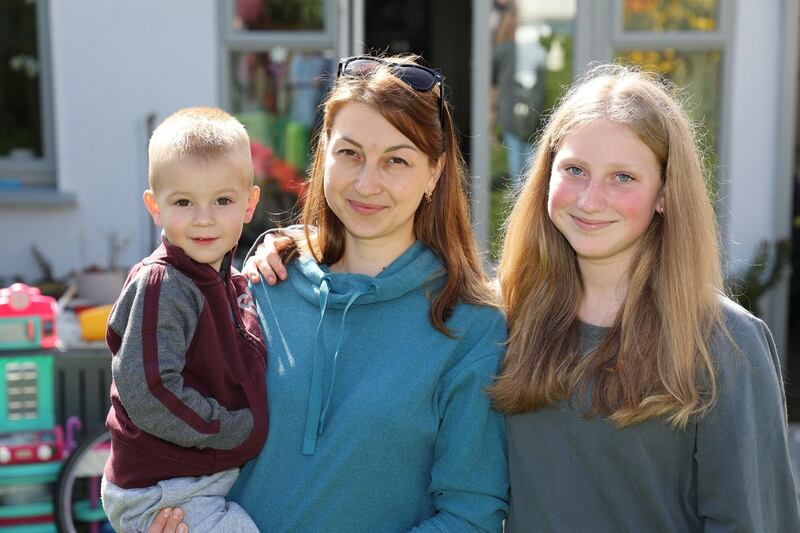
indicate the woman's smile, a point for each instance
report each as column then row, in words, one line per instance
column 364, row 208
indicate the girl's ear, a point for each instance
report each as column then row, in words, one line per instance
column 660, row 202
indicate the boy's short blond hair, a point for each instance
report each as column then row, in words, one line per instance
column 198, row 133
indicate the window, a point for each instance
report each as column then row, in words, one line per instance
column 685, row 41
column 277, row 59
column 531, row 63
column 26, row 124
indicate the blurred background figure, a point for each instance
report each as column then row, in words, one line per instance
column 517, row 99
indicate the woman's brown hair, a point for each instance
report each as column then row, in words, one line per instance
column 655, row 359
column 443, row 224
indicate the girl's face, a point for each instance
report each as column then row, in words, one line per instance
column 605, row 188
column 375, row 177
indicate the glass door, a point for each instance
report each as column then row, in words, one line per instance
column 278, row 58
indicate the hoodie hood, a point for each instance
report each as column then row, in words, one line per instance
column 415, row 267
column 340, row 290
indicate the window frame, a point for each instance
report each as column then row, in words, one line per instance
column 38, row 173
column 333, row 36
column 691, row 41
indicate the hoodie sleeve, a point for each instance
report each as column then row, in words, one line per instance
column 147, row 367
column 744, row 473
column 469, row 478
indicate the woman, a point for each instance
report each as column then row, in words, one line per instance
column 384, row 339
column 645, row 398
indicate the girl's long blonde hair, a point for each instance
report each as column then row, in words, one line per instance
column 443, row 223
column 655, row 360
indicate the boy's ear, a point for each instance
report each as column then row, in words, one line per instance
column 152, row 206
column 252, row 202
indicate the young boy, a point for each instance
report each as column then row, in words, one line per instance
column 188, row 397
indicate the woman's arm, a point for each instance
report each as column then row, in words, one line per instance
column 469, row 478
column 270, row 252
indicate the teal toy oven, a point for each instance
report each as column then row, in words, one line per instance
column 31, row 443
column 26, row 393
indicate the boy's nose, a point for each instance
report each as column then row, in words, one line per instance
column 203, row 217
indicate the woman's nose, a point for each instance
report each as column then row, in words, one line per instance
column 368, row 181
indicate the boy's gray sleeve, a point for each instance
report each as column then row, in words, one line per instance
column 162, row 405
column 745, row 480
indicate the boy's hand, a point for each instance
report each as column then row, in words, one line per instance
column 267, row 260
column 169, row 521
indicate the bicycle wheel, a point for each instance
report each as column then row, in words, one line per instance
column 77, row 505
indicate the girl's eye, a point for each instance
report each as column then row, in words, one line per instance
column 624, row 178
column 575, row 171
column 182, row 202
column 347, row 152
column 398, row 161
column 224, row 201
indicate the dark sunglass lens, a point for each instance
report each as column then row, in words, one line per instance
column 417, row 78
column 356, row 67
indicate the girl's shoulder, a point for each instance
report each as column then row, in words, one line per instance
column 746, row 348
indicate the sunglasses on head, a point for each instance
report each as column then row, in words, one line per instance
column 419, row 78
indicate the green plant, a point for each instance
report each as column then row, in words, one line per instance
column 47, row 283
column 764, row 273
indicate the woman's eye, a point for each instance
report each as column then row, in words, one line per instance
column 182, row 203
column 347, row 152
column 624, row 178
column 398, row 161
column 575, row 171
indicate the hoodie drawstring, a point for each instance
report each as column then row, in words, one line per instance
column 315, row 416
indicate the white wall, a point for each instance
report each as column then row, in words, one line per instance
column 752, row 128
column 114, row 62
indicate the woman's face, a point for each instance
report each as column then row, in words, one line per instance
column 605, row 188
column 375, row 177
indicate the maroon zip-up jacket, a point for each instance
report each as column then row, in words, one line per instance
column 188, row 395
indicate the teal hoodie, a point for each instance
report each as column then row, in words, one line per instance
column 378, row 422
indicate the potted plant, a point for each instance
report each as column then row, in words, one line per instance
column 48, row 284
column 101, row 285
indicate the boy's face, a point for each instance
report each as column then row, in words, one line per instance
column 202, row 206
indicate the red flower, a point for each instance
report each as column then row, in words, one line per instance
column 268, row 166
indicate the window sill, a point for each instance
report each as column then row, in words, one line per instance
column 27, row 198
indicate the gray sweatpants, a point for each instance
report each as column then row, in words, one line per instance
column 201, row 498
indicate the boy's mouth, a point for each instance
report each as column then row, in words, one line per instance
column 204, row 241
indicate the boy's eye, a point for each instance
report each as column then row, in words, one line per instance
column 182, row 202
column 224, row 201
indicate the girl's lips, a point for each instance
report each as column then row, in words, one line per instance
column 590, row 224
column 203, row 241
column 365, row 209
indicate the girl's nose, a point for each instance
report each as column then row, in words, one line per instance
column 592, row 199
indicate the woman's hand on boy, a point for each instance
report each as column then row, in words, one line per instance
column 266, row 261
column 169, row 520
